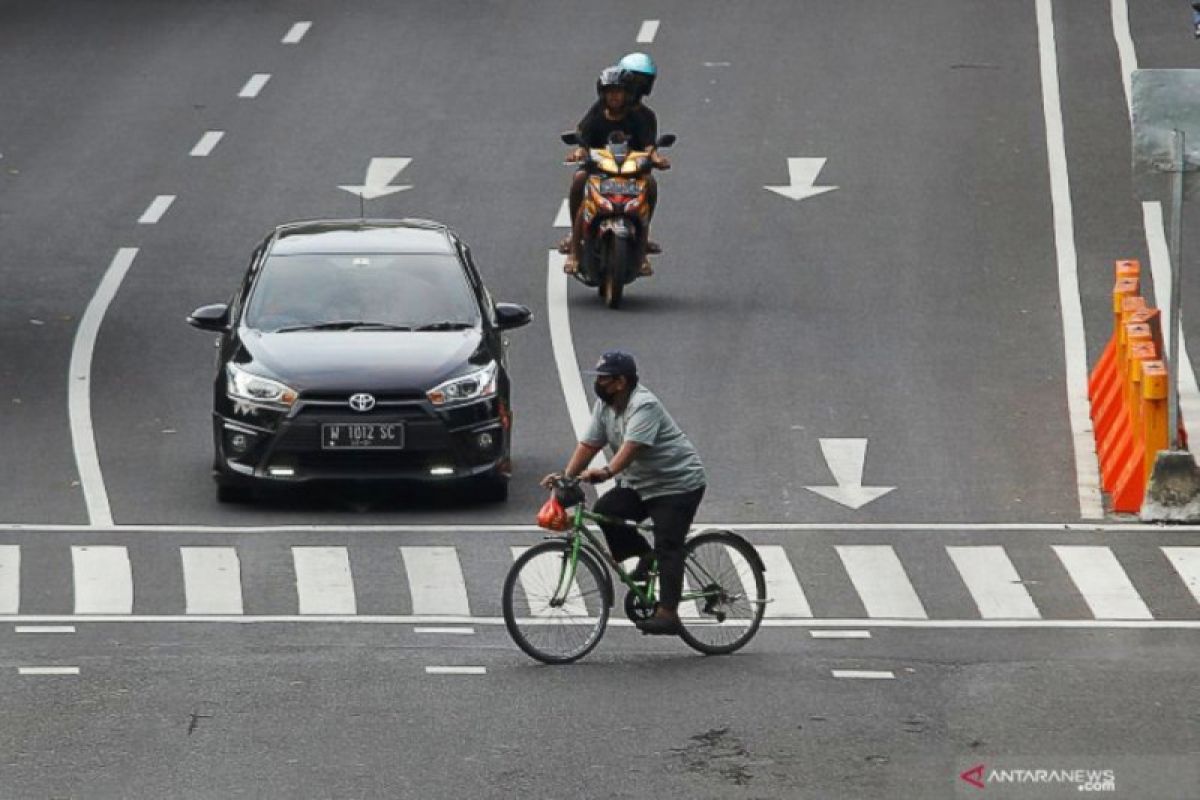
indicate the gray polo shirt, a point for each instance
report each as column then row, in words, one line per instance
column 666, row 464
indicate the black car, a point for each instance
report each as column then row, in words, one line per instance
column 361, row 350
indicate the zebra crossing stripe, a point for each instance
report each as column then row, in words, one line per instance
column 212, row 580
column 324, row 584
column 881, row 582
column 435, row 580
column 539, row 581
column 1103, row 583
column 993, row 582
column 783, row 589
column 1186, row 561
column 103, row 580
column 10, row 578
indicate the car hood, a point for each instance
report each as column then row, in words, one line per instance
column 395, row 361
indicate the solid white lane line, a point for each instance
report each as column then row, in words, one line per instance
column 103, row 580
column 563, row 220
column 539, row 579
column 296, row 33
column 840, row 634
column 1103, row 583
column 10, row 579
column 324, row 584
column 79, row 389
column 48, row 670
column 993, row 582
column 1087, row 467
column 866, row 674
column 435, row 579
column 452, row 631
column 783, row 589
column 456, row 670
column 206, row 144
column 154, row 212
column 648, row 31
column 881, row 582
column 44, row 629
column 559, row 318
column 254, row 85
column 1186, row 561
column 212, row 580
column 1125, row 48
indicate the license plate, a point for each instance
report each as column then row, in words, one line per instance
column 616, row 186
column 362, row 436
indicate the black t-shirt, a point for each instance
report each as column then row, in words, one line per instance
column 639, row 124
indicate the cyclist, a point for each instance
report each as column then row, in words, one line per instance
column 659, row 475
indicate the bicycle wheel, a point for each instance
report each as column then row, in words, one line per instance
column 724, row 574
column 550, row 621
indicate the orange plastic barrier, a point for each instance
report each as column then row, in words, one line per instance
column 1128, row 393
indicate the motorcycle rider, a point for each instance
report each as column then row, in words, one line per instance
column 612, row 113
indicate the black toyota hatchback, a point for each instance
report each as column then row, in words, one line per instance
column 361, row 350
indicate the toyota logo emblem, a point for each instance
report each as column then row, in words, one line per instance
column 362, row 401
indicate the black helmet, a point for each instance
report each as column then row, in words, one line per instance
column 610, row 77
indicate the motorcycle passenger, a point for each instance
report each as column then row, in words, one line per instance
column 612, row 113
column 642, row 72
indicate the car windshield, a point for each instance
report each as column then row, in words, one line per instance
column 331, row 292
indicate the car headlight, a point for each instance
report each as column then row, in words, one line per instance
column 472, row 386
column 246, row 386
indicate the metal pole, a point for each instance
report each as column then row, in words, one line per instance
column 1177, row 167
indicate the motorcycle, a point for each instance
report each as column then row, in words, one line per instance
column 615, row 209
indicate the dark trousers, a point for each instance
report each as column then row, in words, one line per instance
column 672, row 515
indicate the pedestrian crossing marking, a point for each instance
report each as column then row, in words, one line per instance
column 1103, row 583
column 881, row 582
column 783, row 589
column 103, row 580
column 10, row 578
column 212, row 580
column 435, row 580
column 539, row 582
column 1186, row 561
column 324, row 584
column 993, row 582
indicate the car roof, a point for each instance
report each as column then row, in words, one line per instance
column 362, row 236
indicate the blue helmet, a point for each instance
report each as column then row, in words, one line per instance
column 642, row 72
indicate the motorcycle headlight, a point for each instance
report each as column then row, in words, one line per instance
column 481, row 383
column 246, row 386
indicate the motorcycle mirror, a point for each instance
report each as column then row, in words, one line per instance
column 570, row 137
column 666, row 140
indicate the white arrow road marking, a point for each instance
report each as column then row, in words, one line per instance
column 846, row 459
column 802, row 174
column 563, row 220
column 648, row 31
column 380, row 173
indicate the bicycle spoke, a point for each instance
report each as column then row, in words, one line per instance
column 549, row 623
column 728, row 591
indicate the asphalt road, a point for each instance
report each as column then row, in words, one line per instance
column 917, row 306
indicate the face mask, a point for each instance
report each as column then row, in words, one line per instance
column 606, row 395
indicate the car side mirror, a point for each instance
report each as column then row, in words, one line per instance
column 666, row 140
column 512, row 315
column 210, row 318
column 570, row 137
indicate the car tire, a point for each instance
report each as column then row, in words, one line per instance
column 227, row 493
column 490, row 490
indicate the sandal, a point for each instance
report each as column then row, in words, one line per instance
column 646, row 270
column 564, row 244
column 571, row 265
column 653, row 248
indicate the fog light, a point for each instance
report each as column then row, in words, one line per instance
column 283, row 472
column 485, row 441
column 442, row 471
column 239, row 443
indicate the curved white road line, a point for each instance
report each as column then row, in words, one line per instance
column 1087, row 466
column 79, row 400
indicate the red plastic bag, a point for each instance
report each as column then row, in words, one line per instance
column 553, row 516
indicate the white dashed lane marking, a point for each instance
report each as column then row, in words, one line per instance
column 865, row 674
column 452, row 631
column 648, row 31
column 456, row 670
column 254, row 85
column 207, row 142
column 296, row 33
column 10, row 578
column 44, row 629
column 154, row 212
column 840, row 634
column 48, row 670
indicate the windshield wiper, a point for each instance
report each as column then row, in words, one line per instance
column 445, row 325
column 345, row 325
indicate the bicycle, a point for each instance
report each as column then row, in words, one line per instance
column 558, row 594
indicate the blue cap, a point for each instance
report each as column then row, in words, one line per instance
column 614, row 362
